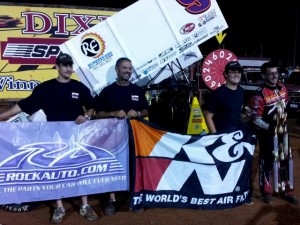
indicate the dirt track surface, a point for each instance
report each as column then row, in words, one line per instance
column 280, row 213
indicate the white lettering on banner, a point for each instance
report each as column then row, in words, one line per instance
column 137, row 199
column 31, row 188
column 84, row 182
column 241, row 198
column 202, row 201
column 31, row 154
column 169, row 198
column 36, row 176
column 202, row 162
column 166, row 198
column 225, row 200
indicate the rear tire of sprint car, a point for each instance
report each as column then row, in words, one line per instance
column 18, row 208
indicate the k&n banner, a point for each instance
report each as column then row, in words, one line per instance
column 184, row 171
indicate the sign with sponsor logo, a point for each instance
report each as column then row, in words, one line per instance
column 196, row 172
column 84, row 159
column 172, row 68
column 30, row 42
column 199, row 171
column 150, row 33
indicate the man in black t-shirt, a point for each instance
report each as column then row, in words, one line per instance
column 223, row 112
column 61, row 99
column 224, row 106
column 121, row 99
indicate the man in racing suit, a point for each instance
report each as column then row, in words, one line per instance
column 263, row 107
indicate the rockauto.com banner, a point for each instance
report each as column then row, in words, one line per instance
column 183, row 171
column 30, row 36
column 52, row 160
column 152, row 33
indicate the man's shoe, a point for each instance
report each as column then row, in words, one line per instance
column 88, row 212
column 110, row 208
column 58, row 215
column 249, row 202
column 140, row 210
column 268, row 199
column 291, row 199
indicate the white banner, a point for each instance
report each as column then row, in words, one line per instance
column 152, row 33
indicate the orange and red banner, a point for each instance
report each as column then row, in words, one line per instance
column 184, row 171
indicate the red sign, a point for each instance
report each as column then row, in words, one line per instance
column 213, row 67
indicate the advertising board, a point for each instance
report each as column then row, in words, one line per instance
column 150, row 33
column 30, row 36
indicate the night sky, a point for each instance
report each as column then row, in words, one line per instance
column 256, row 28
column 267, row 30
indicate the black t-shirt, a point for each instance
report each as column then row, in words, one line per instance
column 60, row 101
column 226, row 104
column 115, row 97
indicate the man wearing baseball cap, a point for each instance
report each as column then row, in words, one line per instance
column 64, row 59
column 61, row 99
column 234, row 66
column 224, row 107
column 223, row 112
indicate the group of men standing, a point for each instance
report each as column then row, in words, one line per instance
column 65, row 99
column 265, row 108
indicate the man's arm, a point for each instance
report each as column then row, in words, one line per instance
column 143, row 113
column 262, row 124
column 10, row 112
column 111, row 114
column 256, row 106
column 121, row 114
column 209, row 121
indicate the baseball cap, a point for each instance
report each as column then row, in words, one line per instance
column 64, row 58
column 233, row 65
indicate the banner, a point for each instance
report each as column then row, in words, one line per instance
column 152, row 33
column 52, row 160
column 176, row 67
column 184, row 171
column 30, row 39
